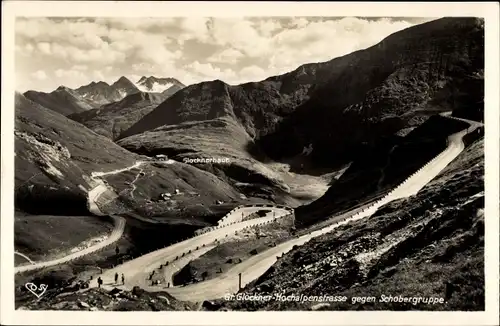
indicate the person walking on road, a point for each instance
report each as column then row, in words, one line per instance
column 99, row 281
column 123, row 279
column 116, row 277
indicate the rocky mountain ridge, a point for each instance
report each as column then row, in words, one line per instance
column 69, row 101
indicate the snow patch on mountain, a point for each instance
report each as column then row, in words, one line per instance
column 123, row 93
column 155, row 87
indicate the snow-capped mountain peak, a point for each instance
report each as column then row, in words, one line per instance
column 156, row 85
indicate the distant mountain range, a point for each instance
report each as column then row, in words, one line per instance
column 67, row 101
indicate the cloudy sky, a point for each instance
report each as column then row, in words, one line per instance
column 75, row 51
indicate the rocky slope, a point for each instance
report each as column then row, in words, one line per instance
column 428, row 245
column 65, row 294
column 112, row 119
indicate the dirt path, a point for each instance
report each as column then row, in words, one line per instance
column 24, row 256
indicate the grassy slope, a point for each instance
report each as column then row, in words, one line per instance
column 47, row 236
column 431, row 244
column 44, row 136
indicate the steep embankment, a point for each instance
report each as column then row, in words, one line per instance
column 46, row 237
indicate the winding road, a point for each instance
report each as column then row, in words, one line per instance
column 136, row 271
column 93, row 195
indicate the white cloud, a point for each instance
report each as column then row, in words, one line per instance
column 80, row 67
column 98, row 75
column 158, row 55
column 77, row 50
column 59, row 52
column 143, row 67
column 229, row 55
column 325, row 40
column 25, row 50
column 44, row 47
column 61, row 73
column 121, row 45
column 194, row 28
column 133, row 23
column 300, row 22
column 267, row 27
column 39, row 74
column 94, row 56
column 241, row 35
column 206, row 71
column 252, row 73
